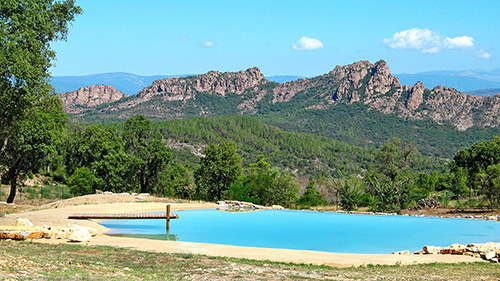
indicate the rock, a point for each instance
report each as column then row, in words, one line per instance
column 489, row 255
column 23, row 223
column 455, row 249
column 90, row 230
column 33, row 235
column 427, row 203
column 406, row 252
column 277, row 207
column 89, row 96
column 432, row 250
column 79, row 235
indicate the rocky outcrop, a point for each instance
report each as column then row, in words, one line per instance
column 488, row 251
column 180, row 88
column 90, row 96
column 245, row 206
column 24, row 229
column 363, row 82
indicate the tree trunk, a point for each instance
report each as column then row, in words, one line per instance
column 13, row 189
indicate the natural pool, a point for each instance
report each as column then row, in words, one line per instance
column 308, row 230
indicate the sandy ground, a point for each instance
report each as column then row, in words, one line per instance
column 59, row 216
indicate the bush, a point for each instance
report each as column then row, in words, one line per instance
column 46, row 192
column 31, row 192
column 311, row 197
column 83, row 181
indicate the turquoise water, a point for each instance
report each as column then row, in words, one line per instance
column 308, row 230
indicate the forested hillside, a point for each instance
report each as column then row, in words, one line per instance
column 357, row 125
column 303, row 154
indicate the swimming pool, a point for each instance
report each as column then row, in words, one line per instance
column 308, row 230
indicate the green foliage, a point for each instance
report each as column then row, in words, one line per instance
column 220, row 167
column 82, row 182
column 26, row 29
column 114, row 173
column 149, row 154
column 359, row 125
column 264, row 185
column 304, row 153
column 88, row 144
column 35, row 138
column 349, row 193
column 489, row 183
column 176, row 181
column 31, row 192
column 311, row 197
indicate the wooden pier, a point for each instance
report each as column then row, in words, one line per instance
column 166, row 216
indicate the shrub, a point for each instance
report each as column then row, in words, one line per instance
column 311, row 197
column 83, row 181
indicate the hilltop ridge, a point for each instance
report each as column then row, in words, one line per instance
column 247, row 92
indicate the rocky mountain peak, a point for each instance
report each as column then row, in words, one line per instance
column 89, row 96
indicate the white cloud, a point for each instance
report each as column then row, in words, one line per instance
column 208, row 44
column 426, row 41
column 306, row 43
column 483, row 54
column 459, row 42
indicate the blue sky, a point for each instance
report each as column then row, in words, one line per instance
column 307, row 38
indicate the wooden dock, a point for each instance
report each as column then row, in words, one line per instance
column 123, row 216
column 108, row 216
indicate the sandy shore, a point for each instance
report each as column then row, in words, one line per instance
column 59, row 216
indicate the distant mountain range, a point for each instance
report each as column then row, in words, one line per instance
column 248, row 92
column 475, row 82
column 127, row 83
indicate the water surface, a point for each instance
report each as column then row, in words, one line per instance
column 308, row 230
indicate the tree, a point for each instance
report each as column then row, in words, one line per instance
column 394, row 156
column 220, row 167
column 311, row 196
column 349, row 193
column 85, row 145
column 264, row 185
column 26, row 29
column 149, row 154
column 489, row 182
column 82, row 182
column 33, row 140
column 392, row 160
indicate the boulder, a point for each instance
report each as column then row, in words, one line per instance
column 20, row 222
column 455, row 249
column 489, row 255
column 79, row 235
column 75, row 227
column 432, row 250
column 406, row 252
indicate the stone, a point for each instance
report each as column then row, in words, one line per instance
column 406, row 252
column 91, row 231
column 79, row 235
column 33, row 235
column 432, row 250
column 89, row 96
column 21, row 222
column 455, row 249
column 489, row 255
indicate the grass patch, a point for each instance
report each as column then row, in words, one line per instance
column 28, row 261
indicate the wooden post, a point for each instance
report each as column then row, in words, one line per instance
column 168, row 217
